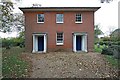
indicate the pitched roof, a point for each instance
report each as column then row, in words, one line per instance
column 59, row 8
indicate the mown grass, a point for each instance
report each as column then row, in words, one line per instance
column 12, row 64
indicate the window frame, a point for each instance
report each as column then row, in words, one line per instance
column 62, row 42
column 62, row 18
column 80, row 18
column 43, row 20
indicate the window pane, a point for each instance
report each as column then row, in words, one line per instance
column 78, row 18
column 40, row 17
column 59, row 17
column 59, row 37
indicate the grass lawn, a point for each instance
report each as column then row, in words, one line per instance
column 114, row 62
column 109, row 58
column 0, row 62
column 12, row 64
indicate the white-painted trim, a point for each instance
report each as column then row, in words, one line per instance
column 74, row 43
column 84, row 42
column 45, row 44
column 40, row 22
column 59, row 43
column 35, row 43
column 79, row 22
column 59, row 22
column 63, row 39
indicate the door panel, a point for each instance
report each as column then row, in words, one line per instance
column 78, row 43
column 40, row 43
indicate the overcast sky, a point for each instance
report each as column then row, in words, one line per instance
column 106, row 16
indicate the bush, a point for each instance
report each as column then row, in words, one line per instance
column 116, row 54
column 118, row 42
column 112, row 50
column 116, row 51
column 108, row 42
column 101, row 42
column 115, row 42
column 107, row 51
column 6, row 43
column 12, row 42
column 104, row 42
column 21, row 45
column 106, row 38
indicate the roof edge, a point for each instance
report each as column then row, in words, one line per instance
column 59, row 8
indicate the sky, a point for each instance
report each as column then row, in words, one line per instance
column 106, row 17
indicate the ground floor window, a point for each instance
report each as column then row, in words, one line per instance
column 59, row 38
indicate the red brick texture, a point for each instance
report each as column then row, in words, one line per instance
column 51, row 27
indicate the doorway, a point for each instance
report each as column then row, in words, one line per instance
column 79, row 42
column 40, row 43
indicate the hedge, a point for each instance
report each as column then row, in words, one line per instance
column 6, row 42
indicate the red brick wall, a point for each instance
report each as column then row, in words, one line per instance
column 51, row 27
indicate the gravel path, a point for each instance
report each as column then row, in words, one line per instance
column 70, row 65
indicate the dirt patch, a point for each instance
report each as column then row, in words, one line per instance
column 70, row 65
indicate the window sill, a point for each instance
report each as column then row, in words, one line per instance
column 78, row 22
column 40, row 22
column 59, row 43
column 59, row 22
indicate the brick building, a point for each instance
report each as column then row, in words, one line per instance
column 59, row 28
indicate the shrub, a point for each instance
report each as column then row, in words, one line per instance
column 112, row 50
column 118, row 42
column 116, row 51
column 116, row 54
column 9, row 42
column 6, row 43
column 115, row 42
column 107, row 42
column 101, row 42
column 106, row 39
column 107, row 51
column 21, row 45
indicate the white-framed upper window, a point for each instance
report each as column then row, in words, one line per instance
column 40, row 18
column 59, row 18
column 59, row 38
column 78, row 18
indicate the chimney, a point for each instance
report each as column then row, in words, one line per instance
column 36, row 5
